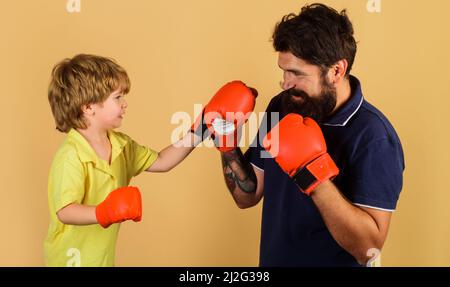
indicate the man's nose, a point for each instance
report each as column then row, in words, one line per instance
column 286, row 83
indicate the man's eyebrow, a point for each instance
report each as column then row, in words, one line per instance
column 300, row 72
column 295, row 71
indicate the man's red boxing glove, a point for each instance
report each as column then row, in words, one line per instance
column 122, row 204
column 298, row 146
column 225, row 113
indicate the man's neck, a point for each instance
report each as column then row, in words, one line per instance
column 343, row 93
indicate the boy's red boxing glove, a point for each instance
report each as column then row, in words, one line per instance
column 298, row 146
column 225, row 113
column 121, row 204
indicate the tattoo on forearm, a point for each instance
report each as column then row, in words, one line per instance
column 238, row 172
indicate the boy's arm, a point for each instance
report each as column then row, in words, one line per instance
column 77, row 214
column 123, row 203
column 172, row 155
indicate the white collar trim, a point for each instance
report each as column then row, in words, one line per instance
column 346, row 121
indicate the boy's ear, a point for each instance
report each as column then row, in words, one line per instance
column 88, row 110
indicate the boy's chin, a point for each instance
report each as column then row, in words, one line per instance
column 115, row 125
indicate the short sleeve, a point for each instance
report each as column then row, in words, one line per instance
column 377, row 174
column 66, row 182
column 256, row 154
column 139, row 158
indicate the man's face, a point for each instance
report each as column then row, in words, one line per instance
column 307, row 91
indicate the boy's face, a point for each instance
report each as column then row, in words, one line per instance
column 109, row 114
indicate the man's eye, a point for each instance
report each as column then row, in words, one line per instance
column 296, row 74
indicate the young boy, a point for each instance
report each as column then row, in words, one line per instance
column 88, row 188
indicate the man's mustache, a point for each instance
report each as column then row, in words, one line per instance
column 297, row 93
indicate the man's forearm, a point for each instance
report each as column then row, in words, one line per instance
column 240, row 178
column 352, row 228
column 239, row 175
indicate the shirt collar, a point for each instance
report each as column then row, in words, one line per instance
column 117, row 144
column 349, row 109
column 87, row 153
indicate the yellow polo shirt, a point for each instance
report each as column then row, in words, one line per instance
column 78, row 175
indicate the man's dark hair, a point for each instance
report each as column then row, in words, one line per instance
column 319, row 35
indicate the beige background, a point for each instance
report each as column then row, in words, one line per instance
column 179, row 53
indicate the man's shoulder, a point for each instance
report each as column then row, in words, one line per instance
column 373, row 124
column 274, row 104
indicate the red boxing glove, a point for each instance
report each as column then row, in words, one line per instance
column 121, row 204
column 298, row 146
column 225, row 113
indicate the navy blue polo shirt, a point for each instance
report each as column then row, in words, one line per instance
column 368, row 152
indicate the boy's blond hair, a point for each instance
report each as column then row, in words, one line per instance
column 82, row 80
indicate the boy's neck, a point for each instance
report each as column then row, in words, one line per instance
column 93, row 135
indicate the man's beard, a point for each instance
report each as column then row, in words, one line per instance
column 317, row 107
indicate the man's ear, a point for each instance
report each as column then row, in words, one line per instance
column 88, row 110
column 338, row 71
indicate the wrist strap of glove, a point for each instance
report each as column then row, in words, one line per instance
column 317, row 171
column 199, row 127
column 101, row 215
